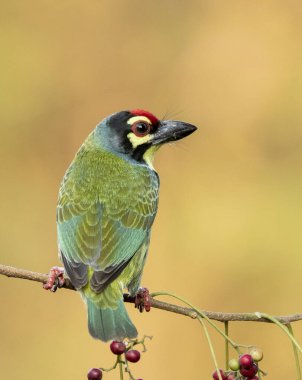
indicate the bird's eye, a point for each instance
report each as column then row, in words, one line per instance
column 141, row 128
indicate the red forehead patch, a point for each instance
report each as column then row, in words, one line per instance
column 137, row 112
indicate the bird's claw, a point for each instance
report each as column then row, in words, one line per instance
column 143, row 300
column 55, row 279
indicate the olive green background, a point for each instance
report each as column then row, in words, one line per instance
column 228, row 232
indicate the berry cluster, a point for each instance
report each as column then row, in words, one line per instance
column 118, row 348
column 244, row 368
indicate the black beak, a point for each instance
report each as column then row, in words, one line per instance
column 170, row 130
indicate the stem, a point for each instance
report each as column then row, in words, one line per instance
column 121, row 368
column 282, row 327
column 111, row 368
column 201, row 314
column 134, row 342
column 210, row 345
column 298, row 368
column 227, row 356
column 127, row 369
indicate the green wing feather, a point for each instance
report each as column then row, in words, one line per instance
column 105, row 211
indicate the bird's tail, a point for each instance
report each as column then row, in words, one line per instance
column 110, row 324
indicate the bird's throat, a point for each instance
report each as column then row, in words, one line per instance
column 148, row 156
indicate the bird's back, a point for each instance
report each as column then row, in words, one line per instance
column 106, row 208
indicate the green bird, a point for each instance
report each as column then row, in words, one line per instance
column 107, row 204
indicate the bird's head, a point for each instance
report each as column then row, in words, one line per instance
column 138, row 133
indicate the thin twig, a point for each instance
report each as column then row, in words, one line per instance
column 282, row 327
column 218, row 316
column 200, row 319
column 121, row 369
column 296, row 354
column 227, row 354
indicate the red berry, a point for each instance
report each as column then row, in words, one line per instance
column 254, row 378
column 94, row 374
column 249, row 372
column 223, row 375
column 231, row 376
column 117, row 348
column 133, row 356
column 246, row 361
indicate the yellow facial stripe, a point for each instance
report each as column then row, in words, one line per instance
column 133, row 119
column 149, row 155
column 136, row 140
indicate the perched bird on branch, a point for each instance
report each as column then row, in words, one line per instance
column 107, row 204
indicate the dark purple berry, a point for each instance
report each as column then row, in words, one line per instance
column 223, row 375
column 117, row 348
column 94, row 374
column 250, row 372
column 254, row 378
column 231, row 376
column 246, row 361
column 132, row 356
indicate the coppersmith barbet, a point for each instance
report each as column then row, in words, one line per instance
column 107, row 204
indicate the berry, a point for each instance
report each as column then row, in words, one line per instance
column 254, row 378
column 231, row 376
column 250, row 372
column 256, row 353
column 94, row 374
column 223, row 375
column 234, row 364
column 133, row 356
column 246, row 361
column 117, row 348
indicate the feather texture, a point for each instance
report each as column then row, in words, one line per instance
column 107, row 204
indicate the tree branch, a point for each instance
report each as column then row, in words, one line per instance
column 218, row 316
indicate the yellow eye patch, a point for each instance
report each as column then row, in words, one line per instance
column 133, row 138
column 136, row 140
column 134, row 119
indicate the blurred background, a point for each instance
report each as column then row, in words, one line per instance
column 228, row 232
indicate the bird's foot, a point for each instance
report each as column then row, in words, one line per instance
column 143, row 300
column 55, row 279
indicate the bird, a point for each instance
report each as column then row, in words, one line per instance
column 107, row 203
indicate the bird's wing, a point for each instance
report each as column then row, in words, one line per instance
column 104, row 229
